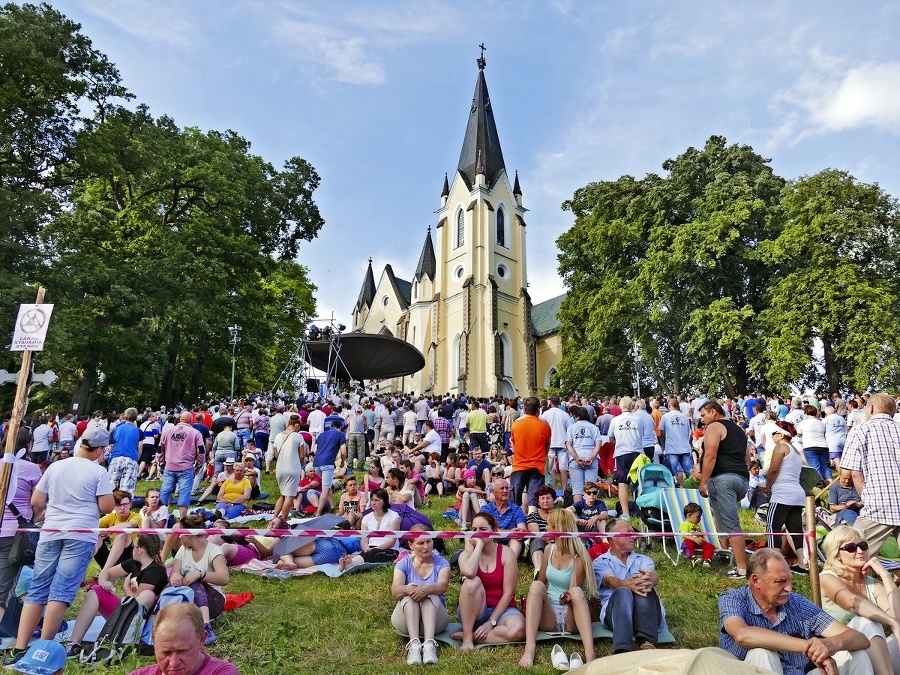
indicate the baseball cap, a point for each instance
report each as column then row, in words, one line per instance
column 43, row 657
column 96, row 437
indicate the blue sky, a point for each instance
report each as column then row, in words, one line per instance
column 376, row 96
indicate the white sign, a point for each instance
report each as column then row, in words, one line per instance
column 31, row 328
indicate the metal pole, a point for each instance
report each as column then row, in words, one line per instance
column 233, row 363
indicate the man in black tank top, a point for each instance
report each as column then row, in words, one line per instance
column 724, row 477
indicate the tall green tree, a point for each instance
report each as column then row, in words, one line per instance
column 832, row 319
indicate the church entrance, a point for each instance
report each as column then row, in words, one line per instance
column 506, row 389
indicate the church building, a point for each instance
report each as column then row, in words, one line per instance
column 467, row 307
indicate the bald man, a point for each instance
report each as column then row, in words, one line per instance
column 180, row 450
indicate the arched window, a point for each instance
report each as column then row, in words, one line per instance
column 548, row 380
column 413, row 336
column 456, row 360
column 501, row 228
column 460, row 228
column 415, row 290
column 504, row 356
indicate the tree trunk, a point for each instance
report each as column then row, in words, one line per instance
column 676, row 372
column 81, row 396
column 832, row 372
column 166, row 392
column 196, row 393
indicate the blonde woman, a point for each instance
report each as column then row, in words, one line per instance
column 557, row 598
column 853, row 595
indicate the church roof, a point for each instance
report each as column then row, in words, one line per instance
column 367, row 292
column 427, row 262
column 402, row 287
column 481, row 151
column 545, row 316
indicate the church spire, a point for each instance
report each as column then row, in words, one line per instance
column 427, row 262
column 446, row 191
column 367, row 292
column 517, row 191
column 481, row 144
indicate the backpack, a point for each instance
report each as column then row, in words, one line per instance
column 118, row 635
column 171, row 595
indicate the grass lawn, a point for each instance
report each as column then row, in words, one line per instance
column 342, row 626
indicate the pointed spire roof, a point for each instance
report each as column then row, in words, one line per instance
column 481, row 145
column 517, row 191
column 446, row 191
column 367, row 292
column 427, row 262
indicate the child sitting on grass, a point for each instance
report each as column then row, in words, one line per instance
column 467, row 498
column 691, row 541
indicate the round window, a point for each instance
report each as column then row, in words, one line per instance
column 458, row 272
column 384, row 301
column 502, row 271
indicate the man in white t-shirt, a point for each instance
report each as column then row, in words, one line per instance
column 431, row 442
column 68, row 432
column 558, row 456
column 72, row 494
column 316, row 421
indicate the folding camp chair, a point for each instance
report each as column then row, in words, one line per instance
column 672, row 502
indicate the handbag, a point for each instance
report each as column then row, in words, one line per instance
column 594, row 608
column 24, row 543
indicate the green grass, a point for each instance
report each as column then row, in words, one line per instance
column 317, row 624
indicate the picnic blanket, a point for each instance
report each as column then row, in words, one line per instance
column 266, row 568
column 600, row 631
column 704, row 661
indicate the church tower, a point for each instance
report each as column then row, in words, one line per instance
column 483, row 310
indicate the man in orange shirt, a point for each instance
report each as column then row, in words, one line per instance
column 530, row 443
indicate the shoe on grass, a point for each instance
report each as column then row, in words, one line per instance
column 575, row 661
column 12, row 656
column 734, row 574
column 210, row 635
column 558, row 658
column 413, row 653
column 802, row 571
column 429, row 652
column 73, row 650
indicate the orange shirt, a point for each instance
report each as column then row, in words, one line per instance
column 530, row 440
column 657, row 416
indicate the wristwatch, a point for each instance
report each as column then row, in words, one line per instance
column 493, row 623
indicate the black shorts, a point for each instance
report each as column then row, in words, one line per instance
column 148, row 452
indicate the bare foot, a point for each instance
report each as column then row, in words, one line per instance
column 458, row 635
column 527, row 660
column 283, row 564
column 346, row 562
column 467, row 646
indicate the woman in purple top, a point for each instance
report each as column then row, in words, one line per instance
column 261, row 429
column 27, row 477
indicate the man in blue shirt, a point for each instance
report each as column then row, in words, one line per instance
column 123, row 461
column 510, row 517
column 331, row 442
column 767, row 625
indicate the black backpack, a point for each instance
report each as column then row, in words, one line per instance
column 119, row 634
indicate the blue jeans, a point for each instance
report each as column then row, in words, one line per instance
column 59, row 567
column 183, row 479
column 232, row 511
column 579, row 475
column 628, row 615
column 680, row 463
column 244, row 435
column 219, row 461
column 819, row 459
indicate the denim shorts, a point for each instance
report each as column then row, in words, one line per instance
column 680, row 463
column 185, row 481
column 59, row 567
column 327, row 474
column 486, row 615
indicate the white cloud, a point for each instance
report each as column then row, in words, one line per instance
column 342, row 56
column 148, row 22
column 833, row 98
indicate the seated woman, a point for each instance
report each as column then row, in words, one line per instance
column 419, row 584
column 350, row 506
column 145, row 579
column 153, row 514
column 557, row 599
column 452, row 475
column 434, row 475
column 251, row 473
column 376, row 549
column 537, row 522
column 487, row 608
column 310, row 491
column 467, row 496
column 864, row 601
column 373, row 480
column 400, row 490
column 108, row 556
column 201, row 565
column 234, row 493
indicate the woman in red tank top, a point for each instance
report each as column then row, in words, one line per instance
column 487, row 608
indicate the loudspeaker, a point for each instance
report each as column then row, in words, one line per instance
column 312, row 385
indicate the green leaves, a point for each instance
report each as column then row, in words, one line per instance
column 721, row 272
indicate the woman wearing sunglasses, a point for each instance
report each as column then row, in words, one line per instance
column 859, row 592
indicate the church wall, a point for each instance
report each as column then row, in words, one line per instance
column 548, row 353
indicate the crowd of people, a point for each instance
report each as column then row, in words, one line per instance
column 526, row 466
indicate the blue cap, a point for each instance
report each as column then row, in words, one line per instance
column 44, row 657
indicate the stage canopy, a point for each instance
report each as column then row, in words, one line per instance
column 363, row 356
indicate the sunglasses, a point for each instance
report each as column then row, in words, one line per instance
column 852, row 546
column 590, row 492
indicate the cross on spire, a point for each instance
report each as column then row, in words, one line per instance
column 481, row 62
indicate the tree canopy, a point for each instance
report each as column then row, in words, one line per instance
column 150, row 238
column 721, row 276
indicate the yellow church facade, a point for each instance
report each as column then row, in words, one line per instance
column 467, row 308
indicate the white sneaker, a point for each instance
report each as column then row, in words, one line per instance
column 429, row 652
column 575, row 661
column 558, row 658
column 413, row 653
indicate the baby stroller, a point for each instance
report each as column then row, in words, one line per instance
column 651, row 479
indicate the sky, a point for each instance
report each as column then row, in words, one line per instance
column 376, row 95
